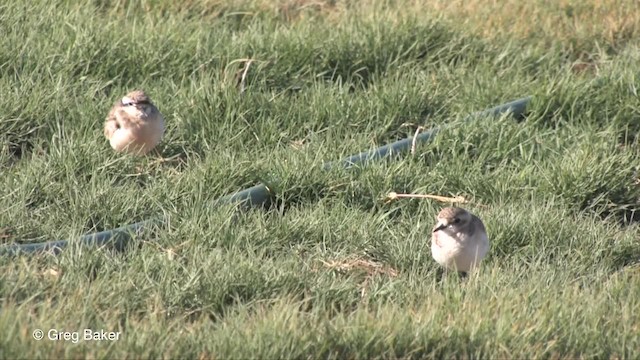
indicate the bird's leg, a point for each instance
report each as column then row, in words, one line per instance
column 155, row 152
column 159, row 159
column 155, row 157
column 440, row 274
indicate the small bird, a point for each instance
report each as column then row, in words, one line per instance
column 459, row 240
column 134, row 124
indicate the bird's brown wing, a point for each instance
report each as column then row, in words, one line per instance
column 111, row 123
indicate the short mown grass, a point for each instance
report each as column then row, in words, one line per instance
column 330, row 269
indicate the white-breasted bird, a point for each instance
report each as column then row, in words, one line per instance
column 134, row 124
column 459, row 240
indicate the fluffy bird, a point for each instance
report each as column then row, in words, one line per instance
column 459, row 240
column 134, row 124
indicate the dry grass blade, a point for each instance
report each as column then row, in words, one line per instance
column 445, row 199
column 415, row 138
column 458, row 199
column 243, row 79
column 52, row 273
column 370, row 267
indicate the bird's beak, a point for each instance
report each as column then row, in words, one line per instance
column 440, row 225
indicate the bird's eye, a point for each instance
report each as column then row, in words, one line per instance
column 456, row 220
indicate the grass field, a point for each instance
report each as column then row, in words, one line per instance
column 331, row 270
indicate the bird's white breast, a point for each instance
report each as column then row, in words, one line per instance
column 140, row 136
column 457, row 251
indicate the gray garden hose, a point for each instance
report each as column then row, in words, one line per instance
column 253, row 196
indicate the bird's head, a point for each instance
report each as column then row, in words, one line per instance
column 452, row 218
column 138, row 99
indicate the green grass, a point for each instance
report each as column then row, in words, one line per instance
column 331, row 270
